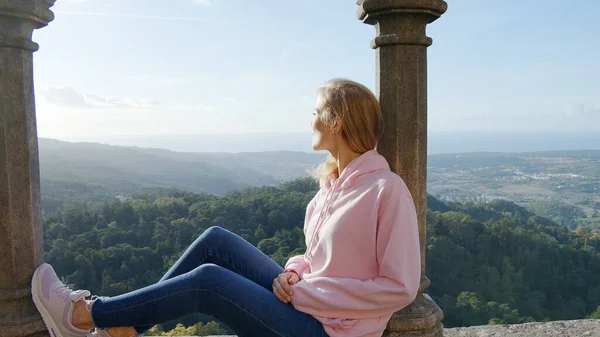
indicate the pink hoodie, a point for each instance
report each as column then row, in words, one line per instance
column 362, row 261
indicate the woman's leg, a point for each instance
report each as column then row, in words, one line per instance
column 226, row 249
column 243, row 305
column 215, row 245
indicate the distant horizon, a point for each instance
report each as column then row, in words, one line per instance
column 439, row 142
column 307, row 132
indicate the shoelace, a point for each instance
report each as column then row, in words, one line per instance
column 79, row 295
column 65, row 293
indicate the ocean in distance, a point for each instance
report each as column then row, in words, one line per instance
column 438, row 141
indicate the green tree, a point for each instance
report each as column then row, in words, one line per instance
column 595, row 314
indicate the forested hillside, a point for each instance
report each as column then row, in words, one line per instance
column 499, row 263
column 488, row 263
column 561, row 185
column 94, row 171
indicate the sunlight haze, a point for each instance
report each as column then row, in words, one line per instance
column 130, row 68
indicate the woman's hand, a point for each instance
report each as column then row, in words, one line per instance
column 281, row 286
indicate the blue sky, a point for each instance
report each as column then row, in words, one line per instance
column 150, row 67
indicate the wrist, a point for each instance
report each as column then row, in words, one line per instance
column 292, row 271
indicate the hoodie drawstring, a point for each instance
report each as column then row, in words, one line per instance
column 368, row 162
column 320, row 219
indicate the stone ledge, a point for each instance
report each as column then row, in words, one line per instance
column 575, row 328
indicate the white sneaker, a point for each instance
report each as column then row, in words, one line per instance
column 55, row 302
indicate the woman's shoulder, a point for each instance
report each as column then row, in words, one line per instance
column 388, row 179
column 389, row 183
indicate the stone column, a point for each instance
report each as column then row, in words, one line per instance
column 401, row 50
column 21, row 239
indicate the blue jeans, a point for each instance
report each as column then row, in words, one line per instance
column 220, row 275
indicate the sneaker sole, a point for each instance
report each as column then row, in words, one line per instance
column 50, row 324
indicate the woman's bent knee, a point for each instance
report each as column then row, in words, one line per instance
column 214, row 231
column 209, row 236
column 208, row 272
column 216, row 234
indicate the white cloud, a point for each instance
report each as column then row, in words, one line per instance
column 69, row 97
column 582, row 110
column 69, row 121
column 131, row 16
column 202, row 2
column 65, row 113
column 63, row 96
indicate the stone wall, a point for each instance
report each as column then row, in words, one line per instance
column 575, row 328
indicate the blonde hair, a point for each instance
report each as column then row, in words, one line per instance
column 357, row 111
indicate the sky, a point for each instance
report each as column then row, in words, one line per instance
column 183, row 67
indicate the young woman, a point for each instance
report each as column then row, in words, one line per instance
column 362, row 261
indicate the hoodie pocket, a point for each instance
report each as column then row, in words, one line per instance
column 339, row 323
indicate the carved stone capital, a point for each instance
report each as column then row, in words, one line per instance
column 18, row 20
column 400, row 22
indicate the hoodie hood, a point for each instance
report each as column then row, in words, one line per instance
column 368, row 162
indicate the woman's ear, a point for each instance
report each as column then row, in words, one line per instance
column 336, row 126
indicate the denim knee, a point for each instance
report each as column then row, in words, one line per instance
column 208, row 238
column 214, row 232
column 215, row 236
column 207, row 271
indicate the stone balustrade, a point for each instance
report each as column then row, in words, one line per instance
column 574, row 328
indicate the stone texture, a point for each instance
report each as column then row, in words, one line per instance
column 21, row 246
column 576, row 328
column 401, row 51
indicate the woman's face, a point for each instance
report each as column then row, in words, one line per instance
column 322, row 139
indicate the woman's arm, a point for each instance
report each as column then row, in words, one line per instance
column 298, row 263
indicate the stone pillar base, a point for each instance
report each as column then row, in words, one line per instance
column 32, row 327
column 25, row 321
column 421, row 318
